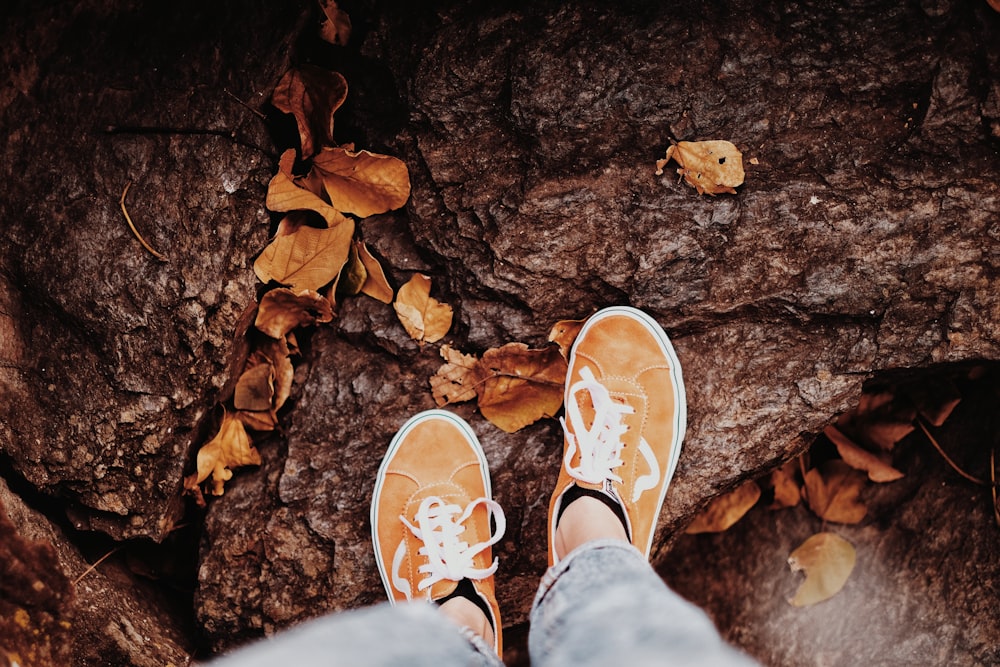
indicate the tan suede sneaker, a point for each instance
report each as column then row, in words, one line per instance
column 431, row 514
column 626, row 414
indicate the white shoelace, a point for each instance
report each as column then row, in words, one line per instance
column 600, row 446
column 440, row 526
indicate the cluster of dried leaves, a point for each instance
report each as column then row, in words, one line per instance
column 315, row 258
column 855, row 450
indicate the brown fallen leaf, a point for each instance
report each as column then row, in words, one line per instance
column 564, row 333
column 828, row 560
column 282, row 309
column 336, row 27
column 263, row 420
column 255, row 388
column 312, row 95
column 230, row 448
column 878, row 469
column 452, row 382
column 517, row 386
column 352, row 277
column 307, row 258
column 707, row 166
column 362, row 183
column 787, row 492
column 425, row 319
column 376, row 285
column 286, row 193
column 832, row 492
column 726, row 509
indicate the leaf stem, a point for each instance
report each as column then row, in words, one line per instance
column 94, row 566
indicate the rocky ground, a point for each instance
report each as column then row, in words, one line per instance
column 864, row 245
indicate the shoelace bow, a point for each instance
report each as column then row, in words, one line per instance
column 600, row 445
column 440, row 526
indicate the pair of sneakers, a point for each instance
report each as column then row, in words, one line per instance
column 434, row 520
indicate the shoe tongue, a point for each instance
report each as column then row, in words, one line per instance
column 442, row 589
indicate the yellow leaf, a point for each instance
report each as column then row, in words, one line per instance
column 707, row 166
column 282, row 310
column 362, row 183
column 452, row 382
column 861, row 459
column 828, row 561
column 307, row 258
column 376, row 285
column 564, row 333
column 518, row 386
column 832, row 492
column 726, row 509
column 312, row 95
column 336, row 27
column 230, row 448
column 425, row 318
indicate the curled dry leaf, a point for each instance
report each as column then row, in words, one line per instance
column 336, row 27
column 376, row 285
column 726, row 509
column 878, row 469
column 425, row 318
column 282, row 310
column 362, row 183
column 452, row 382
column 832, row 492
column 307, row 258
column 828, row 561
column 564, row 333
column 312, row 95
column 517, row 386
column 707, row 166
column 786, row 486
column 352, row 277
column 230, row 448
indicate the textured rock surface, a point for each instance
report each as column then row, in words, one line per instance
column 865, row 239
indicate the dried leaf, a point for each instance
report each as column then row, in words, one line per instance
column 284, row 194
column 282, row 310
column 277, row 351
column 934, row 400
column 832, row 492
column 312, row 95
column 726, row 509
column 336, row 27
column 376, row 285
column 307, row 258
column 564, row 333
column 518, row 386
column 452, row 382
column 707, row 166
column 230, row 448
column 861, row 459
column 264, row 420
column 425, row 318
column 255, row 388
column 828, row 561
column 362, row 183
column 786, row 487
column 884, row 434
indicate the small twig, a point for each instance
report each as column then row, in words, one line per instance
column 94, row 566
column 135, row 231
column 247, row 106
column 971, row 478
column 993, row 478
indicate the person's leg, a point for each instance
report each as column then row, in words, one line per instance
column 600, row 602
column 406, row 635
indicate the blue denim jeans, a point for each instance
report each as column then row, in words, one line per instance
column 601, row 605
